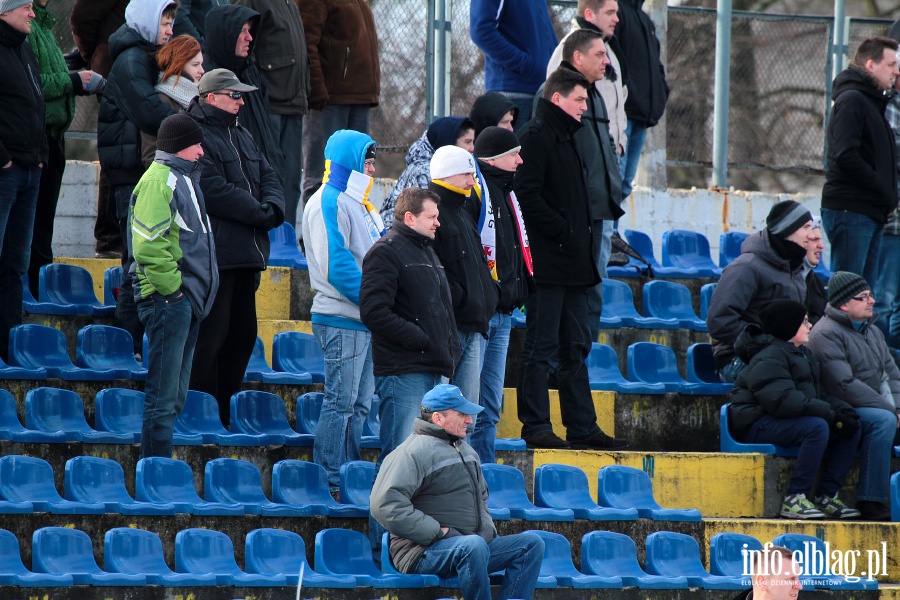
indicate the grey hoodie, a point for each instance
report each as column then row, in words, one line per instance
column 144, row 17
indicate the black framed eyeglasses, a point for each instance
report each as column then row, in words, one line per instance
column 862, row 297
column 232, row 95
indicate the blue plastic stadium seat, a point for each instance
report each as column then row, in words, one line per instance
column 305, row 483
column 706, row 294
column 518, row 318
column 509, row 445
column 604, row 374
column 160, row 479
column 56, row 409
column 730, row 246
column 357, row 479
column 120, row 410
column 13, row 571
column 823, row 271
column 258, row 369
column 280, row 552
column 642, row 243
column 729, row 553
column 895, row 494
column 262, row 413
column 140, row 552
column 655, row 363
column 605, row 552
column 283, row 248
column 670, row 300
column 36, row 346
column 64, row 551
column 68, row 284
column 112, row 283
column 12, row 429
column 200, row 415
column 632, row 269
column 346, row 552
column 506, row 487
column 229, row 480
column 562, row 486
column 688, row 250
column 818, row 574
column 371, row 436
column 558, row 563
column 24, row 479
column 101, row 480
column 309, row 407
column 428, row 579
column 11, row 372
column 701, row 367
column 727, row 443
column 623, row 487
column 31, row 306
column 618, row 303
column 297, row 352
column 109, row 348
column 677, row 554
column 204, row 551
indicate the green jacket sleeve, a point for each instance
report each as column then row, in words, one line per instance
column 154, row 232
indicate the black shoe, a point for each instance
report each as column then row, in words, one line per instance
column 873, row 511
column 601, row 441
column 545, row 439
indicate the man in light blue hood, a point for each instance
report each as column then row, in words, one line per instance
column 339, row 227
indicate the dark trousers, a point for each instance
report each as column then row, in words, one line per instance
column 48, row 196
column 817, row 447
column 226, row 339
column 126, row 309
column 106, row 227
column 556, row 318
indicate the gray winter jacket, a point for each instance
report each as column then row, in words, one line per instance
column 857, row 366
column 432, row 480
column 758, row 276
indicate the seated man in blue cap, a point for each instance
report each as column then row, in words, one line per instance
column 431, row 496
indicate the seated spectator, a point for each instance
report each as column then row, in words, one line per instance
column 778, row 398
column 493, row 110
column 446, row 131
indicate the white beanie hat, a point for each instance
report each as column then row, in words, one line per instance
column 451, row 160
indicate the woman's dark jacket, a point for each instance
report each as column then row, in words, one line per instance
column 22, row 137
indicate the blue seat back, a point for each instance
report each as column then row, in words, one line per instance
column 10, row 555
column 673, row 555
column 274, row 552
column 258, row 412
column 95, row 479
column 895, row 494
column 506, row 486
column 283, row 248
column 258, row 362
column 298, row 352
column 200, row 415
column 300, row 482
column 618, row 301
column 667, row 300
column 609, row 553
column 706, row 294
column 119, row 410
column 701, row 367
column 357, row 479
column 562, row 486
column 342, row 551
column 372, row 426
column 795, row 543
column 687, row 250
column 9, row 421
column 653, row 363
column 127, row 550
column 232, row 480
column 625, row 487
column 557, row 556
column 105, row 347
column 309, row 407
column 603, row 364
column 727, row 442
column 641, row 242
column 38, row 346
column 55, row 409
column 204, row 551
column 159, row 479
column 729, row 553
column 730, row 246
column 63, row 550
column 112, row 283
column 66, row 284
column 27, row 479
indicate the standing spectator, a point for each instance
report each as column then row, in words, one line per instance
column 446, row 131
column 93, row 22
column 191, row 18
column 244, row 201
column 282, row 57
column 857, row 367
column 553, row 193
column 493, row 109
column 232, row 31
column 23, row 152
column 339, row 226
column 457, row 243
column 60, row 88
column 860, row 191
column 648, row 91
column 175, row 271
column 345, row 77
column 816, row 294
column 505, row 243
column 517, row 40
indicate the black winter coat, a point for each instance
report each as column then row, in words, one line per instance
column 552, row 194
column 236, row 180
column 861, row 166
column 457, row 243
column 130, row 105
column 22, row 136
column 404, row 300
column 780, row 379
column 648, row 90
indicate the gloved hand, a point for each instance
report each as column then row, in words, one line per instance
column 74, row 60
column 270, row 218
column 96, row 84
column 845, row 423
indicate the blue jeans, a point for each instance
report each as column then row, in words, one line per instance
column 855, row 240
column 467, row 376
column 602, row 244
column 878, row 427
column 525, row 104
column 349, row 386
column 816, row 448
column 729, row 372
column 887, row 289
column 172, row 335
column 628, row 162
column 493, row 372
column 318, row 126
column 289, row 132
column 471, row 559
column 18, row 201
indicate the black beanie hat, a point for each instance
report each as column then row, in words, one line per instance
column 782, row 318
column 843, row 285
column 787, row 217
column 494, row 142
column 178, row 132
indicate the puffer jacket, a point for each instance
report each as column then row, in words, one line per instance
column 755, row 278
column 857, row 365
column 237, row 181
column 780, row 379
column 22, row 136
column 431, row 480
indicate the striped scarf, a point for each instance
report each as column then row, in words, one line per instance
column 339, row 179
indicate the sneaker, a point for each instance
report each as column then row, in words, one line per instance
column 873, row 511
column 546, row 439
column 797, row 506
column 834, row 508
column 601, row 441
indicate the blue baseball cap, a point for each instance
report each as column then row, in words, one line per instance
column 446, row 397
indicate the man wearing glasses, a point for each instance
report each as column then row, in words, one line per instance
column 244, row 200
column 858, row 368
